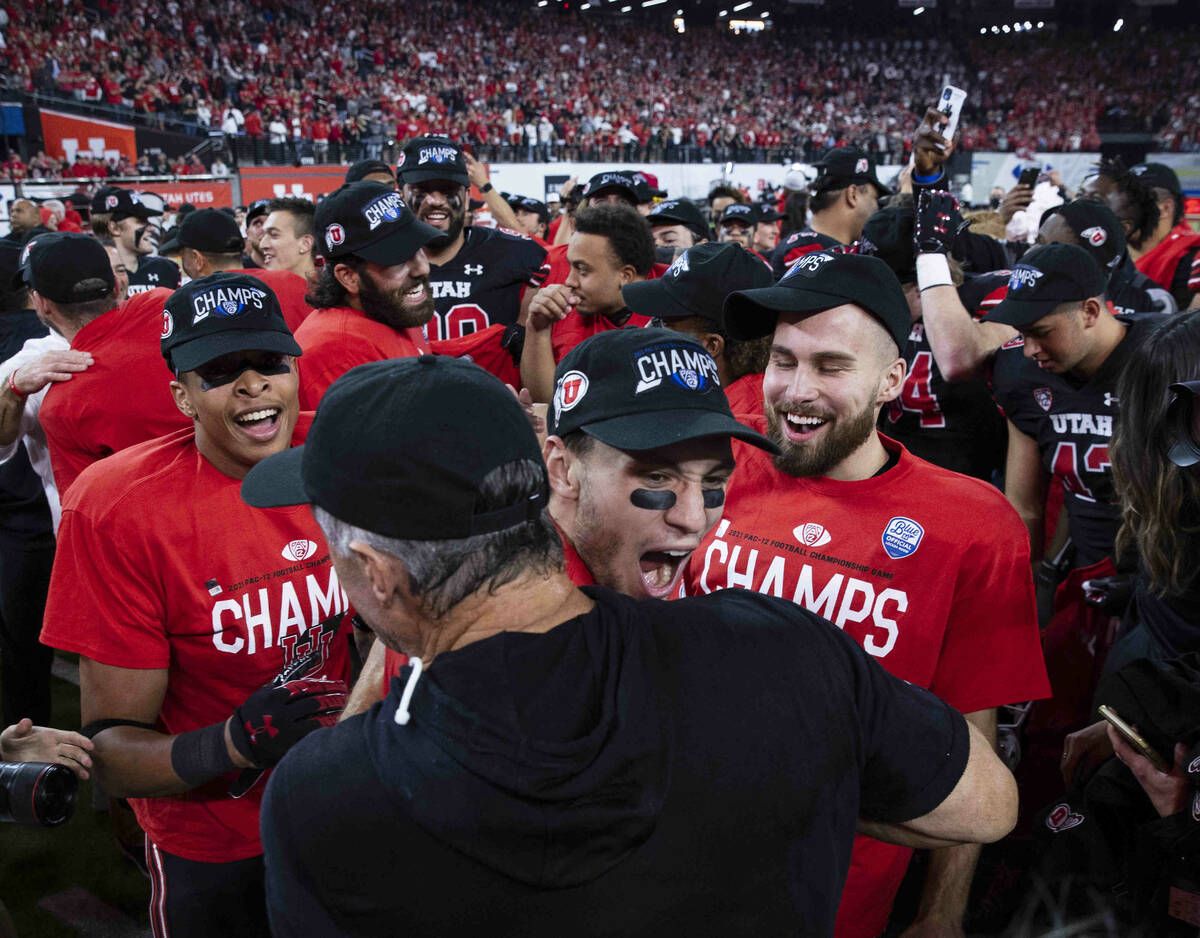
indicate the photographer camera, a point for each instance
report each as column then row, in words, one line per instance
column 36, row 762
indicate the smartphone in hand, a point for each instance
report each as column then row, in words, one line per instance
column 1029, row 176
column 950, row 104
column 1134, row 738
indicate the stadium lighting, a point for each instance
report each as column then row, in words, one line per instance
column 679, row 12
column 742, row 6
column 723, row 13
column 1040, row 25
column 1117, row 25
column 918, row 11
column 652, row 3
column 765, row 14
column 1005, row 29
column 585, row 6
column 995, row 30
column 1016, row 27
column 626, row 9
column 1028, row 25
column 983, row 30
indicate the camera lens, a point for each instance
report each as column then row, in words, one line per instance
column 37, row 793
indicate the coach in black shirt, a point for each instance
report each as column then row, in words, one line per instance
column 561, row 761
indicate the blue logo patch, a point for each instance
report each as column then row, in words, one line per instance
column 902, row 537
column 682, row 363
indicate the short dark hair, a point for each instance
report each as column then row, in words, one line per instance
column 825, row 192
column 325, row 291
column 301, row 209
column 85, row 312
column 725, row 192
column 628, row 234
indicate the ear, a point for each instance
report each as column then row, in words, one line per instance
column 562, row 467
column 384, row 573
column 307, row 242
column 713, row 343
column 628, row 274
column 850, row 194
column 348, row 277
column 893, row 382
column 1092, row 308
column 183, row 400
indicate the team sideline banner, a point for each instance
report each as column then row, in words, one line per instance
column 215, row 194
column 271, row 182
column 68, row 134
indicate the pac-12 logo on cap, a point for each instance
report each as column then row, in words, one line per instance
column 226, row 301
column 570, row 391
column 807, row 265
column 386, row 208
column 1095, row 236
column 902, row 537
column 687, row 366
column 862, row 165
column 679, row 265
column 335, row 234
column 168, row 325
column 298, row 549
column 1023, row 277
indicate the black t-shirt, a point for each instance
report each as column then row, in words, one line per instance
column 24, row 513
column 482, row 285
column 648, row 768
column 796, row 245
column 1073, row 424
column 954, row 425
column 154, row 272
column 1131, row 291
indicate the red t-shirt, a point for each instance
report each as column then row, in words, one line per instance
column 746, row 394
column 221, row 595
column 122, row 399
column 484, row 349
column 927, row 569
column 572, row 329
column 289, row 288
column 337, row 339
column 1161, row 261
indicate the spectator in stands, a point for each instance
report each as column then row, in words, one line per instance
column 24, row 220
column 287, row 236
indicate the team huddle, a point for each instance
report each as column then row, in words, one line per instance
column 640, row 570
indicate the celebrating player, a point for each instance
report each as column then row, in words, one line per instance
column 134, row 230
column 287, row 241
column 210, row 634
column 849, row 524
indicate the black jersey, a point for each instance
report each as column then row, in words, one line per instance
column 796, row 245
column 1073, row 425
column 482, row 285
column 1131, row 291
column 154, row 272
column 954, row 425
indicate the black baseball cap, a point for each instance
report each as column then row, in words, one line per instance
column 425, row 431
column 888, row 235
column 1046, row 277
column 680, row 212
column 125, row 203
column 1185, row 451
column 426, row 158
column 257, row 207
column 639, row 389
column 849, row 164
column 819, row 281
column 617, row 180
column 1097, row 227
column 221, row 313
column 751, row 214
column 646, row 187
column 1160, row 176
column 365, row 168
column 697, row 283
column 524, row 203
column 105, row 199
column 65, row 267
column 369, row 220
column 209, row 230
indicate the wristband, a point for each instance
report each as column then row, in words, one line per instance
column 12, row 384
column 486, row 187
column 933, row 270
column 200, row 756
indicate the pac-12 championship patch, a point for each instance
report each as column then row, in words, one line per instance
column 811, row 534
column 1044, row 398
column 902, row 537
column 684, row 363
column 298, row 549
column 1062, row 818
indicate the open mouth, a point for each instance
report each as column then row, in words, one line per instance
column 437, row 217
column 416, row 295
column 260, row 424
column 802, row 426
column 660, row 570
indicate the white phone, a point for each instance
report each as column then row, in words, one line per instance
column 950, row 104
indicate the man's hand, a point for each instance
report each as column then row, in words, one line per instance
column 937, row 224
column 1017, row 199
column 567, row 188
column 1084, row 751
column 476, row 171
column 549, row 305
column 930, row 148
column 535, row 412
column 276, row 717
column 1169, row 792
column 24, row 742
column 49, row 368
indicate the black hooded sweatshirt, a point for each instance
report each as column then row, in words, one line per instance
column 648, row 768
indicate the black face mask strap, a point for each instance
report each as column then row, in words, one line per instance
column 662, row 499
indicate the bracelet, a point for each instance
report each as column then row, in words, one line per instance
column 933, row 270
column 486, row 187
column 12, row 384
column 200, row 755
column 925, row 180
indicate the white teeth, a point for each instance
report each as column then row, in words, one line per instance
column 258, row 415
column 676, row 553
column 800, row 421
column 415, row 291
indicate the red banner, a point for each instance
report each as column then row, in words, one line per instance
column 68, row 134
column 270, row 182
column 212, row 194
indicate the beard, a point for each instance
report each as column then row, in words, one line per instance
column 387, row 306
column 455, row 228
column 802, row 460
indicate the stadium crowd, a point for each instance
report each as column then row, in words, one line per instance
column 623, row 566
column 286, row 82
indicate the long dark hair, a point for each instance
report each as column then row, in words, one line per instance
column 1160, row 502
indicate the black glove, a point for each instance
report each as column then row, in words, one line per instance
column 938, row 222
column 277, row 716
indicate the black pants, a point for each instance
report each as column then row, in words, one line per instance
column 24, row 661
column 202, row 900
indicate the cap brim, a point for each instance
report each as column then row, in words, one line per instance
column 1018, row 313
column 398, row 246
column 190, row 355
column 652, row 298
column 277, row 481
column 625, row 190
column 750, row 314
column 426, row 175
column 145, row 214
column 639, row 432
column 174, row 246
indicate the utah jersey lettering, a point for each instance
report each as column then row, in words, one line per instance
column 482, row 285
column 154, row 272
